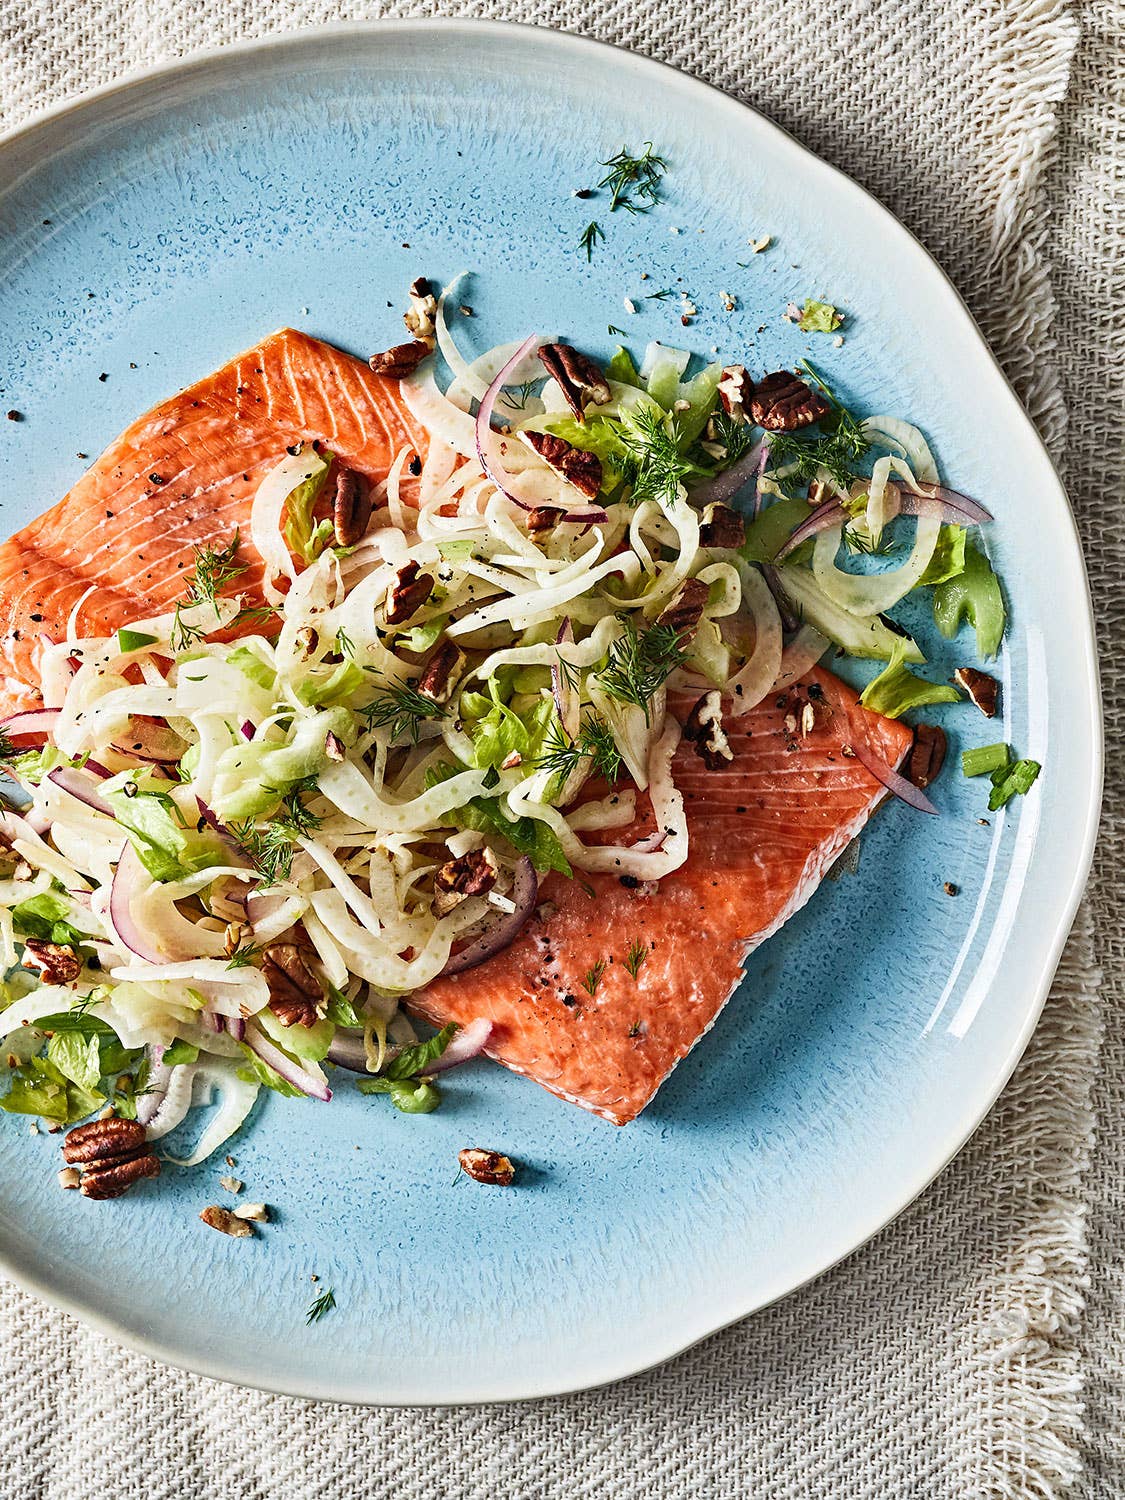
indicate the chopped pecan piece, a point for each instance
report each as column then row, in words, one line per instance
column 581, row 469
column 703, row 727
column 472, row 874
column 735, row 391
column 686, row 609
column 56, row 963
column 782, row 402
column 981, row 688
column 69, row 1177
column 295, row 992
column 579, row 378
column 721, row 527
column 407, row 594
column 927, row 756
column 542, row 518
column 351, row 509
column 226, row 1222
column 401, row 360
column 111, row 1155
column 441, row 673
column 487, row 1166
column 423, row 310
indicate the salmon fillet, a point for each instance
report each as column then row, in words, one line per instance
column 184, row 475
column 762, row 833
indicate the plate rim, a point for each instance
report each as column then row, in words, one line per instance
column 200, row 62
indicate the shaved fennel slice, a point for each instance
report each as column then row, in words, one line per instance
column 873, row 593
column 236, row 1100
column 266, row 512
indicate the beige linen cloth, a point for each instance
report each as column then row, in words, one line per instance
column 977, row 1347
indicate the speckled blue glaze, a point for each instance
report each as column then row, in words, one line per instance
column 169, row 222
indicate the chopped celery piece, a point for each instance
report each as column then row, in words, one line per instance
column 622, row 369
column 1012, row 781
column 305, row 537
column 974, row 595
column 896, row 689
column 983, row 760
column 133, row 640
column 948, row 560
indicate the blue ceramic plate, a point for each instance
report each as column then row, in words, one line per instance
column 150, row 231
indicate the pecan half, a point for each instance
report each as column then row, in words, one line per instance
column 351, row 509
column 487, row 1166
column 735, row 391
column 581, row 469
column 579, row 378
column 686, row 609
column 703, row 728
column 542, row 518
column 981, row 688
column 782, row 402
column 407, row 594
column 401, row 360
column 55, row 963
column 721, row 527
column 227, row 1223
column 441, row 673
column 419, row 319
column 111, row 1155
column 927, row 756
column 471, row 874
column 295, row 992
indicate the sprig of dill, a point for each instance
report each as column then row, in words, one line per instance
column 593, row 979
column 595, row 739
column 653, row 464
column 640, row 663
column 244, row 956
column 736, row 437
column 270, row 849
column 403, row 708
column 635, row 958
column 215, row 567
column 320, row 1305
column 856, row 542
column 634, row 181
column 660, row 296
column 590, row 237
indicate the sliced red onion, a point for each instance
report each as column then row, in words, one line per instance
column 891, row 779
column 731, row 480
column 652, row 843
column 236, row 1027
column 566, row 698
column 503, row 931
column 234, row 848
column 467, row 1043
column 247, row 729
column 78, row 786
column 129, row 879
column 285, row 1067
column 936, row 500
column 500, row 478
column 780, row 598
column 151, row 741
column 210, row 1021
column 831, row 513
column 348, row 1050
column 33, row 726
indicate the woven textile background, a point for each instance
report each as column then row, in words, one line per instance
column 977, row 1347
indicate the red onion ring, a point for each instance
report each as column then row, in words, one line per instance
column 236, row 1027
column 936, row 500
column 500, row 478
column 292, row 1072
column 247, row 729
column 731, row 480
column 499, row 934
column 128, row 879
column 566, row 699
column 237, row 853
column 890, row 778
column 32, row 725
column 830, row 513
column 789, row 620
column 75, row 784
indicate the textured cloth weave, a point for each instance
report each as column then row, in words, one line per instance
column 955, row 1354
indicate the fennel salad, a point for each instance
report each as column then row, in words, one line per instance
column 243, row 832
